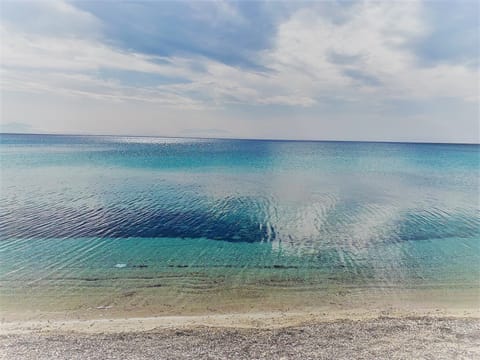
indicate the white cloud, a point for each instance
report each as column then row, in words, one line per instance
column 375, row 33
column 50, row 17
column 74, row 84
column 33, row 51
column 364, row 58
column 302, row 73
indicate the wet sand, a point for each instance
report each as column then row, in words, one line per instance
column 61, row 303
column 419, row 323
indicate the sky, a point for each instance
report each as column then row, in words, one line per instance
column 375, row 71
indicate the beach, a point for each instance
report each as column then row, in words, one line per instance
column 246, row 337
column 420, row 329
column 116, row 247
column 239, row 179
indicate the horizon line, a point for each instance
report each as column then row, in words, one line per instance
column 248, row 139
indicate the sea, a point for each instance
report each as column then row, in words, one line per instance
column 152, row 223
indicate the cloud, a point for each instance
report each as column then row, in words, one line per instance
column 362, row 77
column 453, row 36
column 375, row 36
column 20, row 50
column 224, row 31
column 343, row 59
column 50, row 18
column 323, row 61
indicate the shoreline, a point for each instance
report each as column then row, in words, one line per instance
column 139, row 312
column 264, row 322
column 244, row 320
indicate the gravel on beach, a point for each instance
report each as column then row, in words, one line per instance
column 382, row 338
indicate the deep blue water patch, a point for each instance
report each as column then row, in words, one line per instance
column 304, row 194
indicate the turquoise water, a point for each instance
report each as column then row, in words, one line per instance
column 83, row 211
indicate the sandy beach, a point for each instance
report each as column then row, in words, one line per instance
column 395, row 333
column 235, row 179
column 246, row 336
column 416, row 324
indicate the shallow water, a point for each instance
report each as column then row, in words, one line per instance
column 200, row 216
